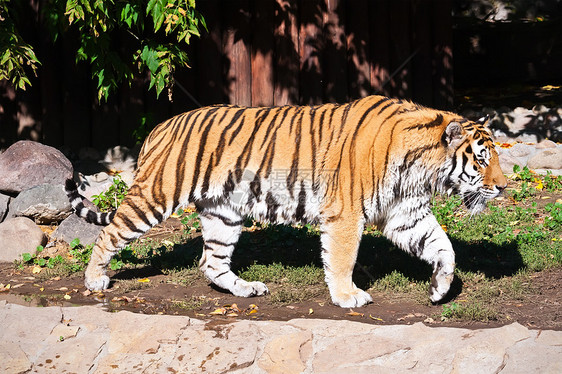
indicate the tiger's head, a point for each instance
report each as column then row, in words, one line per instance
column 474, row 168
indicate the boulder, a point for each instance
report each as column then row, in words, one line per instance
column 521, row 150
column 4, row 204
column 45, row 204
column 75, row 227
column 550, row 158
column 27, row 164
column 19, row 235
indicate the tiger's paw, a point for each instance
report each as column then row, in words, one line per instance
column 249, row 289
column 99, row 283
column 439, row 287
column 353, row 299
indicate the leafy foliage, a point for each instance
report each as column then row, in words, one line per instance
column 555, row 219
column 15, row 54
column 112, row 198
column 155, row 31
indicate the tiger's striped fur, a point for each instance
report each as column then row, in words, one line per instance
column 375, row 160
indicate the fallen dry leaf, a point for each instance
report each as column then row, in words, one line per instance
column 376, row 318
column 218, row 312
column 354, row 314
column 144, row 280
column 67, row 297
column 36, row 269
column 310, row 311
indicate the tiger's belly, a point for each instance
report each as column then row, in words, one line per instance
column 274, row 200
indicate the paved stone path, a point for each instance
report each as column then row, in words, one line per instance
column 88, row 340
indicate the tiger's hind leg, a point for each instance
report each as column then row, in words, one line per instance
column 129, row 223
column 340, row 245
column 416, row 231
column 221, row 227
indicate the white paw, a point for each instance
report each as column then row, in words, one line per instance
column 436, row 294
column 353, row 299
column 97, row 284
column 248, row 289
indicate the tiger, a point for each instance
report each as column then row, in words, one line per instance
column 373, row 161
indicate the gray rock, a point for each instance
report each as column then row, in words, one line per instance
column 522, row 150
column 546, row 144
column 4, row 204
column 98, row 341
column 19, row 235
column 507, row 162
column 27, row 164
column 44, row 204
column 550, row 158
column 75, row 227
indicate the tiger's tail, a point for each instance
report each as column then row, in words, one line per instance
column 77, row 202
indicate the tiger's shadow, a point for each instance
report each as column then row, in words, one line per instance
column 377, row 258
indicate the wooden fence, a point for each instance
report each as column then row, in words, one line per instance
column 256, row 52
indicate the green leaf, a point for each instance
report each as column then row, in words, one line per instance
column 75, row 243
column 26, row 257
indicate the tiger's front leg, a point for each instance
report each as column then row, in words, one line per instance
column 221, row 227
column 416, row 231
column 340, row 244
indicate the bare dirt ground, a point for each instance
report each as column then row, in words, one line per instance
column 540, row 310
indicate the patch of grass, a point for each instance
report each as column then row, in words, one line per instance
column 552, row 183
column 194, row 302
column 278, row 273
column 397, row 285
column 128, row 285
column 291, row 295
column 183, row 276
column 468, row 312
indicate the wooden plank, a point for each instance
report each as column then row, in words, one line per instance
column 8, row 115
column 400, row 49
column 76, row 100
column 334, row 64
column 50, row 87
column 310, row 37
column 380, row 49
column 286, row 60
column 236, row 47
column 185, row 91
column 105, row 120
column 358, row 58
column 422, row 80
column 262, row 53
column 442, row 54
column 209, row 66
column 131, row 110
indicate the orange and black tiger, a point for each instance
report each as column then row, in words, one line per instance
column 375, row 160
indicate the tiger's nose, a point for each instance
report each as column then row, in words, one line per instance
column 501, row 187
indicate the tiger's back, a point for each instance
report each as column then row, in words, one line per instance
column 372, row 160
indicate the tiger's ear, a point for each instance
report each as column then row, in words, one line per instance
column 453, row 134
